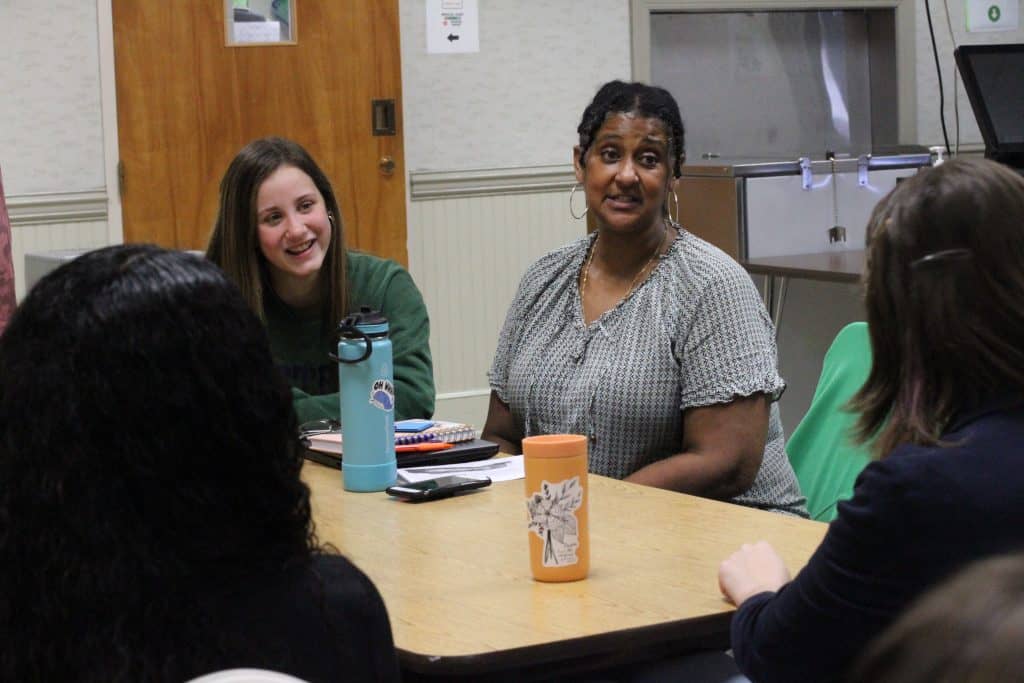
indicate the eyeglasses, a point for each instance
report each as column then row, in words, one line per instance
column 324, row 426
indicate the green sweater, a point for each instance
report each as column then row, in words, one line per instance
column 300, row 347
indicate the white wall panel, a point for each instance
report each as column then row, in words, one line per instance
column 467, row 255
column 51, row 134
column 518, row 101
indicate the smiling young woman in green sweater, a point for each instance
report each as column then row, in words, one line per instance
column 279, row 236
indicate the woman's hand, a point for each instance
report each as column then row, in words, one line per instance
column 754, row 568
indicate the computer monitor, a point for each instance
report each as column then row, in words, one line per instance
column 993, row 77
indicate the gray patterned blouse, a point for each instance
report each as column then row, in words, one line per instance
column 695, row 333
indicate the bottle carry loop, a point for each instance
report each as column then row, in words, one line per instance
column 347, row 330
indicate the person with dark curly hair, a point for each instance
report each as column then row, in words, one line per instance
column 153, row 525
column 649, row 340
column 280, row 237
column 943, row 407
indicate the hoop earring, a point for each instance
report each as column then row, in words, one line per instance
column 571, row 212
column 330, row 217
column 668, row 207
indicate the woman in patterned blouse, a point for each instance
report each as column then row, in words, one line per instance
column 642, row 336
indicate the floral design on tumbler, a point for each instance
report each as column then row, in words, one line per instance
column 553, row 519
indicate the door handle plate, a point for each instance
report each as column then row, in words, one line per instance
column 382, row 117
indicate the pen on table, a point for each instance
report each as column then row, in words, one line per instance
column 423, row 446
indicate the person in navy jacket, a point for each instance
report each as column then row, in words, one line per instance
column 943, row 408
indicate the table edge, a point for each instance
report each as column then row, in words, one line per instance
column 706, row 632
column 758, row 266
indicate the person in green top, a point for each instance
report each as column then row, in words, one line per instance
column 279, row 236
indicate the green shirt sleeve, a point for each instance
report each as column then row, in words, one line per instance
column 309, row 407
column 403, row 306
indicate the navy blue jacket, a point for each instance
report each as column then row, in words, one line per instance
column 915, row 517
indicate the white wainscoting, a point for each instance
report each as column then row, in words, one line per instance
column 55, row 221
column 471, row 236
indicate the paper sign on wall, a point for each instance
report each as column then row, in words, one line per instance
column 452, row 26
column 992, row 15
column 257, row 32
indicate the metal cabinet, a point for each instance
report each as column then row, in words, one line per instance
column 758, row 208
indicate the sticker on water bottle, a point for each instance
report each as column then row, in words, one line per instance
column 553, row 518
column 382, row 395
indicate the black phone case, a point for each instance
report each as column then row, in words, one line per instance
column 423, row 495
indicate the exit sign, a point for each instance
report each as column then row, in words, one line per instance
column 992, row 15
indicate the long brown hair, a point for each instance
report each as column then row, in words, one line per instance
column 234, row 245
column 945, row 301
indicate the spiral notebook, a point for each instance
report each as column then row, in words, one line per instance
column 449, row 432
column 464, row 451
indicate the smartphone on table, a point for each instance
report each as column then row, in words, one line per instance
column 439, row 487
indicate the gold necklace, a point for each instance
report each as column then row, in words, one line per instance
column 636, row 278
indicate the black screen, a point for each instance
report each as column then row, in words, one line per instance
column 993, row 77
column 1000, row 80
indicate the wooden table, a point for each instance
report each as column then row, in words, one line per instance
column 831, row 266
column 455, row 575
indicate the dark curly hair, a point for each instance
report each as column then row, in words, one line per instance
column 147, row 454
column 648, row 101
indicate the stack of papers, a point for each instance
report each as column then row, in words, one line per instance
column 501, row 468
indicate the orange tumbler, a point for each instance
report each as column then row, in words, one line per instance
column 557, row 498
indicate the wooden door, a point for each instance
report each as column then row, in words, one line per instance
column 186, row 103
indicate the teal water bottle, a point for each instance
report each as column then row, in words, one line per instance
column 367, row 395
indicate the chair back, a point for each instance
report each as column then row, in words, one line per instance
column 821, row 451
column 246, row 676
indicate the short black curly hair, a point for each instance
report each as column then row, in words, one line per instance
column 648, row 101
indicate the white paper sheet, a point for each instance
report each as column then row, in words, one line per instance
column 257, row 32
column 498, row 469
column 452, row 26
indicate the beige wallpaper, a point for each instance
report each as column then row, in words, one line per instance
column 515, row 103
column 518, row 101
column 51, row 134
